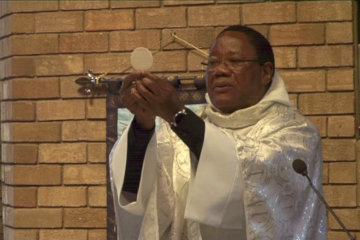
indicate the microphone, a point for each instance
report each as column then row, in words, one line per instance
column 300, row 167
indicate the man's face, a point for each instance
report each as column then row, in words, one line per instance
column 232, row 83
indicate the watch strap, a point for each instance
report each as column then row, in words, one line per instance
column 178, row 116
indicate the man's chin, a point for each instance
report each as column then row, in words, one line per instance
column 224, row 107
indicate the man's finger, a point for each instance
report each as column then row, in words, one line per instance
column 153, row 83
column 127, row 82
column 145, row 92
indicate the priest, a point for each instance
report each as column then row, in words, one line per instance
column 225, row 171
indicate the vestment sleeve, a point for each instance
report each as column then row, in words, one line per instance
column 191, row 131
column 118, row 158
column 217, row 181
column 138, row 139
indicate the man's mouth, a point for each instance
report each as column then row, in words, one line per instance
column 221, row 87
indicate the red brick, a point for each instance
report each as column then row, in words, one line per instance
column 17, row 23
column 28, row 234
column 342, row 172
column 31, row 132
column 59, row 234
column 129, row 40
column 32, row 88
column 340, row 196
column 269, row 12
column 5, row 47
column 4, row 31
column 195, row 60
column 33, row 44
column 82, row 4
column 59, row 65
column 326, row 103
column 169, row 61
column 62, row 153
column 214, row 15
column 325, row 173
column 5, row 8
column 97, row 234
column 33, row 6
column 2, row 76
column 18, row 111
column 109, row 20
column 134, row 4
column 33, row 175
column 85, row 218
column 97, row 196
column 338, row 149
column 320, row 123
column 69, row 89
column 19, row 67
column 22, row 23
column 160, row 17
column 340, row 79
column 294, row 99
column 1, row 88
column 326, row 56
column 84, row 130
column 341, row 126
column 339, row 32
column 60, row 110
column 59, row 22
column 96, row 152
column 33, row 217
column 285, row 57
column 85, row 174
column 19, row 153
column 357, row 148
column 96, row 108
column 19, row 196
column 332, row 235
column 107, row 63
column 318, row 11
column 62, row 196
column 84, row 42
column 350, row 217
column 297, row 34
column 197, row 2
column 304, row 81
column 199, row 37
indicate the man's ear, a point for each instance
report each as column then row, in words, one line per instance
column 267, row 73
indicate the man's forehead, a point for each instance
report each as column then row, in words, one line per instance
column 229, row 40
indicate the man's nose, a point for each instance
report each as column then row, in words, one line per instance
column 222, row 68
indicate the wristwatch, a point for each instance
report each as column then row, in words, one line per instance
column 178, row 117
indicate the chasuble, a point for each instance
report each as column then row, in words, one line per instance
column 242, row 186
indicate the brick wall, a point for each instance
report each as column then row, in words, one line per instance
column 53, row 138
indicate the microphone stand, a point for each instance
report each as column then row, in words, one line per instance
column 301, row 168
column 329, row 208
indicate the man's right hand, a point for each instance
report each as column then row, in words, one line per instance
column 131, row 99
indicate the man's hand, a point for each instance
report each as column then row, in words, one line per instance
column 133, row 101
column 158, row 96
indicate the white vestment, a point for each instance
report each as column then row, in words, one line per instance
column 243, row 187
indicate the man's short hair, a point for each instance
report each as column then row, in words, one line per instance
column 263, row 48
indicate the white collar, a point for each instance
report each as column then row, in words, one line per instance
column 248, row 116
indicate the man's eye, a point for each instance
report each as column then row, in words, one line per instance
column 235, row 61
column 213, row 62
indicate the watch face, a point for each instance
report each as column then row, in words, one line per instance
column 179, row 117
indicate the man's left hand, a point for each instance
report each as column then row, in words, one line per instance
column 161, row 98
